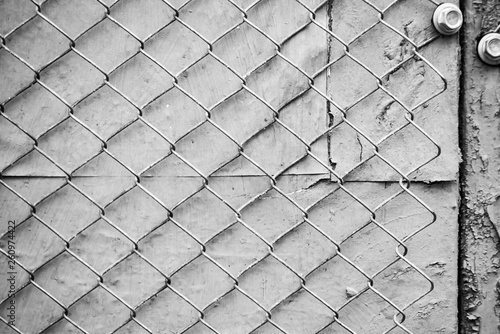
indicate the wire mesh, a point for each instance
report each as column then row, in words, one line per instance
column 173, row 81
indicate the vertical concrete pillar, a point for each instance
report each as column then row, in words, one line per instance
column 480, row 175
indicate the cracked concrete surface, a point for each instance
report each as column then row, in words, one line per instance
column 480, row 180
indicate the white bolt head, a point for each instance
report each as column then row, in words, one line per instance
column 489, row 48
column 447, row 19
column 493, row 47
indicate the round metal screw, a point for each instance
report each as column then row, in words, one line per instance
column 489, row 48
column 447, row 19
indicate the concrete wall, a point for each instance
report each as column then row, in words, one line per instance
column 104, row 212
column 480, row 214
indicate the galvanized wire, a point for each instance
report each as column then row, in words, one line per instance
column 401, row 250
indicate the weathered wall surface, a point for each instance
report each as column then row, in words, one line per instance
column 480, row 221
column 231, row 229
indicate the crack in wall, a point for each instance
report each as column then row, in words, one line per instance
column 330, row 117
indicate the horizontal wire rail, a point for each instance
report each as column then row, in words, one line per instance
column 404, row 182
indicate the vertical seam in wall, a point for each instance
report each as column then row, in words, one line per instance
column 462, row 172
column 329, row 115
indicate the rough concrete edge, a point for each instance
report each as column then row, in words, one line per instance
column 461, row 177
column 469, row 281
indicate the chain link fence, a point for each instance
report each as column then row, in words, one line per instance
column 163, row 245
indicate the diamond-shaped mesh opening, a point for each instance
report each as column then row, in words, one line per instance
column 53, row 278
column 418, row 154
column 209, row 81
column 349, row 82
column 267, row 328
column 158, row 12
column 289, row 149
column 234, row 310
column 269, row 282
column 377, row 313
column 172, row 181
column 63, row 77
column 272, row 215
column 107, row 45
column 212, row 19
column 14, row 207
column 67, row 211
column 277, row 23
column 169, row 248
column 400, row 277
column 217, row 167
column 92, row 244
column 207, row 148
column 349, row 149
column 105, row 112
column 13, row 13
column 236, row 248
column 242, row 115
column 79, row 145
column 353, row 17
column 130, row 328
column 302, row 312
column 174, row 114
column 371, row 249
column 15, row 145
column 403, row 222
column 138, row 141
column 33, row 234
column 36, row 110
column 136, row 206
column 337, row 208
column 30, row 42
column 202, row 282
column 425, row 82
column 141, row 79
column 411, row 19
column 304, row 117
column 383, row 57
column 99, row 311
column 336, row 281
column 304, row 248
column 63, row 326
column 35, row 189
column 167, row 312
column 377, row 115
column 171, row 190
column 335, row 328
column 73, row 16
column 277, row 82
column 136, row 271
column 307, row 50
column 22, row 277
column 189, row 47
column 93, row 179
column 32, row 316
column 199, row 328
column 196, row 214
column 13, row 81
column 254, row 49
